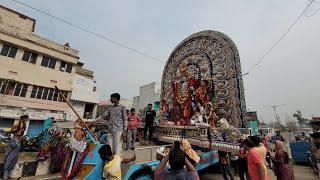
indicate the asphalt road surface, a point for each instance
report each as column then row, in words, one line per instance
column 300, row 172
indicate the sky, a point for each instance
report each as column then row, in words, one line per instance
column 289, row 75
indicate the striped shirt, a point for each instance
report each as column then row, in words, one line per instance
column 112, row 169
column 116, row 117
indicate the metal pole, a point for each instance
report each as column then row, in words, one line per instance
column 69, row 104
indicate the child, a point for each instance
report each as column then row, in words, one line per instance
column 112, row 167
column 133, row 123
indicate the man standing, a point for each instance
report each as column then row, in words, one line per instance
column 133, row 123
column 149, row 120
column 116, row 121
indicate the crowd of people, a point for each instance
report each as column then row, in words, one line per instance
column 251, row 162
column 255, row 156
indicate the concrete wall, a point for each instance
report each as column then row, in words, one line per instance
column 82, row 89
column 126, row 102
column 16, row 20
column 34, row 74
column 27, row 166
column 79, row 107
column 135, row 102
column 149, row 93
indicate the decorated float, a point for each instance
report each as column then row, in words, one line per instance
column 202, row 96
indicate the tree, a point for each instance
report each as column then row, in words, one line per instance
column 291, row 124
column 302, row 121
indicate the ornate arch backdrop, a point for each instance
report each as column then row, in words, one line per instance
column 205, row 67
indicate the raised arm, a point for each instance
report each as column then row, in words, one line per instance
column 104, row 116
column 163, row 164
column 189, row 166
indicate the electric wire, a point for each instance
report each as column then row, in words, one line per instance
column 91, row 32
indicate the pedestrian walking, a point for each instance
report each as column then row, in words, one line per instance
column 268, row 156
column 116, row 121
column 256, row 166
column 149, row 121
column 11, row 157
column 281, row 165
column 133, row 123
column 234, row 163
column 242, row 161
column 257, row 142
column 225, row 165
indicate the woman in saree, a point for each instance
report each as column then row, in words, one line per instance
column 281, row 165
column 11, row 157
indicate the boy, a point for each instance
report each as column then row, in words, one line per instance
column 112, row 167
column 133, row 123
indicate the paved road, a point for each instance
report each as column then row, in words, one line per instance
column 301, row 173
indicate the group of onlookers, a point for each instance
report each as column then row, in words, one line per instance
column 123, row 124
column 255, row 157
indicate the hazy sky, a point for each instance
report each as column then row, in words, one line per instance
column 289, row 75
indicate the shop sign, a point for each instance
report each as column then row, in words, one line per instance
column 39, row 115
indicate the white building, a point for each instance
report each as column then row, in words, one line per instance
column 30, row 68
column 149, row 93
column 84, row 96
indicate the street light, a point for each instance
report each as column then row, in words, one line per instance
column 276, row 114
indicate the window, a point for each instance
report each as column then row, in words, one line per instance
column 12, row 88
column 45, row 61
column 3, row 86
column 69, row 68
column 17, row 89
column 55, row 95
column 9, row 51
column 34, row 91
column 24, row 90
column 47, row 94
column 39, row 93
column 20, row 90
column 48, row 62
column 65, row 67
column 30, row 57
column 50, row 95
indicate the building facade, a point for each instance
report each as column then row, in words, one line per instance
column 149, row 93
column 84, row 96
column 30, row 67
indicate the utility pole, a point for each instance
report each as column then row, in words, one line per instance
column 276, row 114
